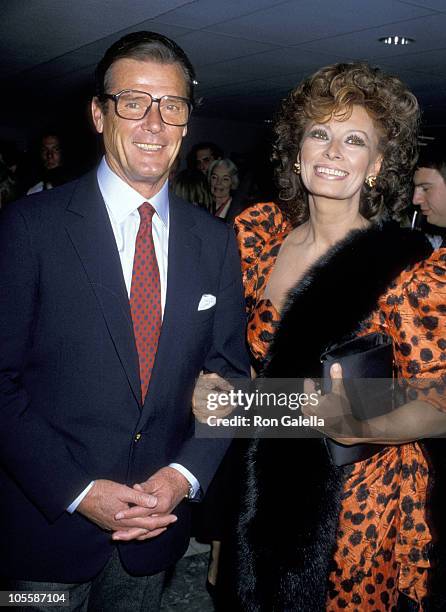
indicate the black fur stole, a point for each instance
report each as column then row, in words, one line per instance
column 292, row 491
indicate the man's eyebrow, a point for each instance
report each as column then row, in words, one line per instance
column 423, row 184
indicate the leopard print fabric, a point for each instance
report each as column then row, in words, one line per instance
column 383, row 538
column 260, row 231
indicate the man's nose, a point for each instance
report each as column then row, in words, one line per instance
column 152, row 122
column 418, row 197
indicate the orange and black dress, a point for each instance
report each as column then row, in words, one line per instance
column 383, row 537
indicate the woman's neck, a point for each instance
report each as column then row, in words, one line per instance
column 331, row 220
column 221, row 201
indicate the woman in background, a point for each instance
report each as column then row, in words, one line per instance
column 192, row 186
column 358, row 536
column 223, row 180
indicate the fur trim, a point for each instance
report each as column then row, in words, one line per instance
column 330, row 295
column 285, row 550
column 282, row 557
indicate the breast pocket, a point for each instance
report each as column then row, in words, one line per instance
column 205, row 308
column 201, row 317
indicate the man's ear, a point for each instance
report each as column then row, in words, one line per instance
column 97, row 115
column 184, row 131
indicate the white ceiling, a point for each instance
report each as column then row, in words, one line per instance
column 248, row 53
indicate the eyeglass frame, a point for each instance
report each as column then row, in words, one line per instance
column 115, row 98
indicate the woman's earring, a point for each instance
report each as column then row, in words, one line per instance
column 370, row 181
column 296, row 167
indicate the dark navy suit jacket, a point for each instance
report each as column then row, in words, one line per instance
column 69, row 382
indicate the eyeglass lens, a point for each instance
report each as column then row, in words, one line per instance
column 134, row 105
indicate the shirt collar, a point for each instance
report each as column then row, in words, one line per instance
column 122, row 200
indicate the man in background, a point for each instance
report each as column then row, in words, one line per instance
column 430, row 187
column 52, row 171
column 202, row 155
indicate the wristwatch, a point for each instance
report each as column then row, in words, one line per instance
column 190, row 492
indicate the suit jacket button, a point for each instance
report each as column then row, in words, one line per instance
column 138, row 436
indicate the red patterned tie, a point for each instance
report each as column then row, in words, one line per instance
column 145, row 297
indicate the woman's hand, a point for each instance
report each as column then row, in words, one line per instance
column 205, row 398
column 335, row 409
column 414, row 420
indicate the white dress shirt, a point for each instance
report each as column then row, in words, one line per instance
column 122, row 203
column 222, row 212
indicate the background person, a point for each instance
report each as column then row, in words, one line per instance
column 430, row 190
column 223, row 180
column 192, row 186
column 321, row 268
column 201, row 156
column 51, row 171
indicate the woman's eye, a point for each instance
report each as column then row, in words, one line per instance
column 319, row 134
column 355, row 140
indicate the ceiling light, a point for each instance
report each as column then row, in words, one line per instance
column 396, row 40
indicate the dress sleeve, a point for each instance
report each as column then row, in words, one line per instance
column 416, row 319
column 254, row 228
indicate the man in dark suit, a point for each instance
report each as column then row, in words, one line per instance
column 96, row 436
column 430, row 191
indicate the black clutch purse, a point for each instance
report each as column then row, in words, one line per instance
column 368, row 376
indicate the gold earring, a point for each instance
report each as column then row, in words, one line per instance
column 296, row 167
column 370, row 181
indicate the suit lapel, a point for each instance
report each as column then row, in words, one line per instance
column 90, row 231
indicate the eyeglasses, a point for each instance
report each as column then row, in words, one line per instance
column 134, row 105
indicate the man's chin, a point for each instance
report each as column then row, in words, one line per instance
column 148, row 181
column 153, row 178
column 151, row 174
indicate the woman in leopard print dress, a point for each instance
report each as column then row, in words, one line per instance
column 359, row 538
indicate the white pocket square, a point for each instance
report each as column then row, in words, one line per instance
column 207, row 301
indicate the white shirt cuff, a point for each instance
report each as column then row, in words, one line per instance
column 189, row 477
column 72, row 507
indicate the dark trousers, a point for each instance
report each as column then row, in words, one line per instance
column 112, row 590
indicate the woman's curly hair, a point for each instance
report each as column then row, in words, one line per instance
column 332, row 91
